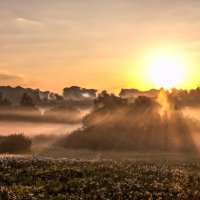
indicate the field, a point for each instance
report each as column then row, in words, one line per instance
column 36, row 177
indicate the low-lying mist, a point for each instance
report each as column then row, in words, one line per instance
column 114, row 124
column 192, row 112
column 44, row 125
column 62, row 115
column 33, row 121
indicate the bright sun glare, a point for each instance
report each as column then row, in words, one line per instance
column 166, row 71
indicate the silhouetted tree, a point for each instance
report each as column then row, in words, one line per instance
column 143, row 101
column 109, row 101
column 27, row 101
column 4, row 102
column 59, row 97
column 115, row 124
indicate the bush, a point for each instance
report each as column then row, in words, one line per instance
column 15, row 143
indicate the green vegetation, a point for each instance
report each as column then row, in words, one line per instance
column 33, row 178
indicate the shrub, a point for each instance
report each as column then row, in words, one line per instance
column 15, row 143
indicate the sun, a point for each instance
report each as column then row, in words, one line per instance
column 166, row 71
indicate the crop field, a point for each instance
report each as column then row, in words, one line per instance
column 31, row 177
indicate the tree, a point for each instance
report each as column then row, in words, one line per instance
column 1, row 97
column 26, row 101
column 143, row 101
column 110, row 101
column 4, row 102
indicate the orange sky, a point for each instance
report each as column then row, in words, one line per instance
column 101, row 44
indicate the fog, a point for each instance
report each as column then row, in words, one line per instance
column 192, row 112
column 145, row 125
column 33, row 122
column 32, row 129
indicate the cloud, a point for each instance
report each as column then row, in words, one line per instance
column 24, row 21
column 8, row 78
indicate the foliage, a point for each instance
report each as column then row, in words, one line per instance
column 108, row 101
column 4, row 102
column 16, row 143
column 115, row 124
column 27, row 101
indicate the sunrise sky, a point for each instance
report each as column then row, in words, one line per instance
column 103, row 44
